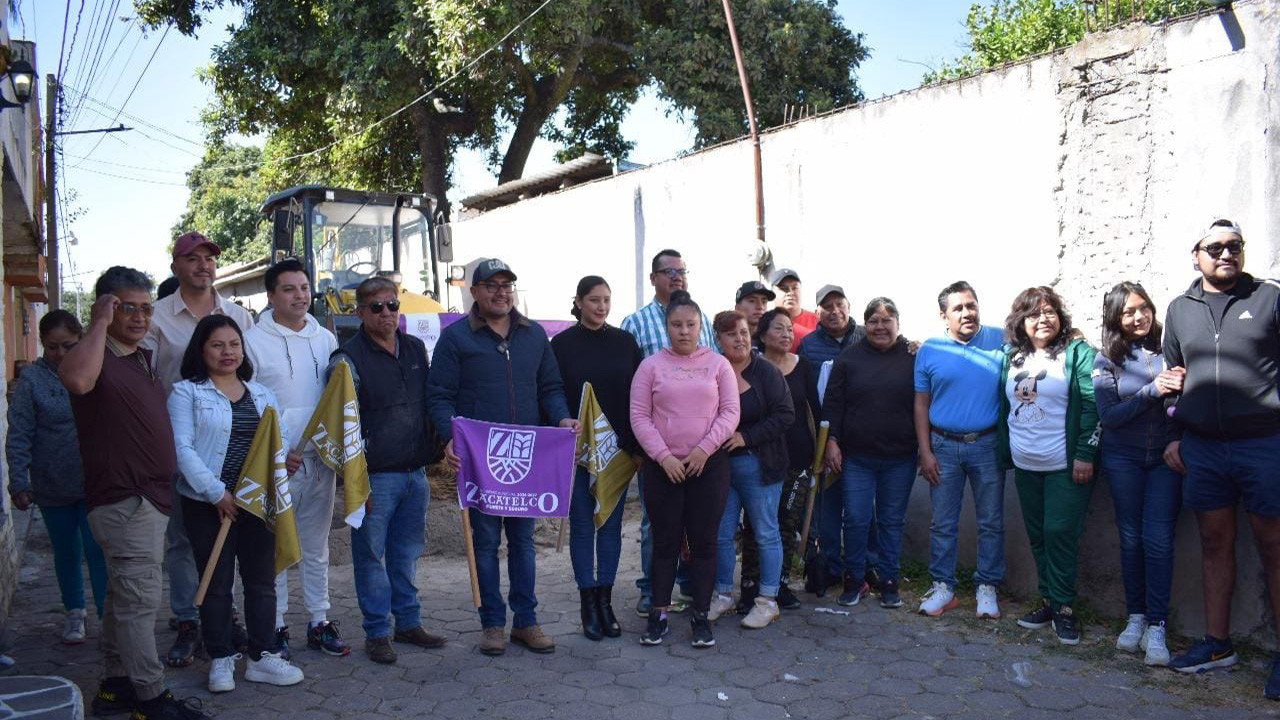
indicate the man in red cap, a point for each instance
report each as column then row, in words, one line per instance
column 174, row 321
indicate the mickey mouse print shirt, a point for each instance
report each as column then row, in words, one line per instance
column 1037, row 394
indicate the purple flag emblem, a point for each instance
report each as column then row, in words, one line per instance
column 514, row 470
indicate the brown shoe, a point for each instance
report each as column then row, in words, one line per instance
column 380, row 650
column 533, row 638
column 494, row 641
column 421, row 638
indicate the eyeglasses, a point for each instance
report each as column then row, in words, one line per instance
column 376, row 307
column 493, row 287
column 673, row 273
column 1215, row 250
column 1047, row 314
column 131, row 309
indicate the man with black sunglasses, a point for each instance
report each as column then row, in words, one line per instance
column 497, row 366
column 1225, row 331
column 390, row 368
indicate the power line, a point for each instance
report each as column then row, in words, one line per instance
column 66, row 19
column 94, row 65
column 135, row 118
column 134, row 179
column 147, row 168
column 138, row 82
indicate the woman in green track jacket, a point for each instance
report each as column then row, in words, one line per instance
column 1048, row 435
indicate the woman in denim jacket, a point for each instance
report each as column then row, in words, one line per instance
column 215, row 412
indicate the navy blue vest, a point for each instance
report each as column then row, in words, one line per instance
column 393, row 403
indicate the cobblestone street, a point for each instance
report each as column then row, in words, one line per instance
column 872, row 663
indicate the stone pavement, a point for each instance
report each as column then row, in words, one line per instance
column 873, row 663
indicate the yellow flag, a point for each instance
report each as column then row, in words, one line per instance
column 263, row 489
column 610, row 468
column 334, row 428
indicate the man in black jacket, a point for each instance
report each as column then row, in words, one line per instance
column 1225, row 331
column 390, row 372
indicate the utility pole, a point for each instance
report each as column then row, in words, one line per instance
column 751, row 119
column 51, row 192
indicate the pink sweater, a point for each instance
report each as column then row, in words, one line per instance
column 681, row 402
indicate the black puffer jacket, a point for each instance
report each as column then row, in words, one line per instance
column 767, row 438
column 1231, row 387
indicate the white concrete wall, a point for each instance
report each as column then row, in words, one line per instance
column 1093, row 165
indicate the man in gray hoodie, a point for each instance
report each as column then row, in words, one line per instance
column 290, row 352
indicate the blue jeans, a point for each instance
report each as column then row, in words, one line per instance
column 875, row 492
column 486, row 534
column 180, row 565
column 395, row 528
column 68, row 528
column 958, row 461
column 831, row 537
column 594, row 553
column 1148, row 496
column 646, row 552
column 748, row 491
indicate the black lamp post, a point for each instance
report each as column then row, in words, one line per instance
column 21, row 76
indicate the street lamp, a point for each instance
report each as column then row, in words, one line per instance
column 21, row 77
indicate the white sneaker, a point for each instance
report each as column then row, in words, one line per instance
column 1153, row 642
column 222, row 674
column 73, row 627
column 762, row 613
column 938, row 600
column 1130, row 640
column 988, row 607
column 273, row 669
column 720, row 604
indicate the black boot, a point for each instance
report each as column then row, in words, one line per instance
column 604, row 603
column 590, row 614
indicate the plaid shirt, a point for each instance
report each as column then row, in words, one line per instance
column 649, row 326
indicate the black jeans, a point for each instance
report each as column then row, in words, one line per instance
column 689, row 510
column 253, row 545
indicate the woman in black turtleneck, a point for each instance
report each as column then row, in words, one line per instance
column 606, row 357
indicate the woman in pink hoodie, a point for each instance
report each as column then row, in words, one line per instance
column 684, row 405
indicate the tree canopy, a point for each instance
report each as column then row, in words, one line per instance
column 226, row 191
column 1010, row 30
column 318, row 74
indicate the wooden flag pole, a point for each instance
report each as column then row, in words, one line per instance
column 816, row 473
column 221, row 540
column 213, row 560
column 471, row 556
column 560, row 539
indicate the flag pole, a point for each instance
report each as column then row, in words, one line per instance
column 213, row 561
column 221, row 540
column 816, row 478
column 471, row 555
column 560, row 539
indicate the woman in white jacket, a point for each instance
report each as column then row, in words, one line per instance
column 215, row 412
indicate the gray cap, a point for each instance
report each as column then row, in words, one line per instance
column 488, row 268
column 828, row 289
column 782, row 274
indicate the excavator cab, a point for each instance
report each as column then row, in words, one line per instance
column 346, row 236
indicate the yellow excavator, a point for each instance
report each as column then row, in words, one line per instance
column 345, row 236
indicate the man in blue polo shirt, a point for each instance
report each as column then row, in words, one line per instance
column 957, row 382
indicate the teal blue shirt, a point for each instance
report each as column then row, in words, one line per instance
column 962, row 379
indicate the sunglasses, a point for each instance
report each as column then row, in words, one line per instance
column 131, row 309
column 376, row 307
column 1215, row 250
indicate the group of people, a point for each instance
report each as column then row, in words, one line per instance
column 130, row 435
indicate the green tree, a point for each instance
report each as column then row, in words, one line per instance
column 226, row 192
column 319, row 73
column 1012, row 30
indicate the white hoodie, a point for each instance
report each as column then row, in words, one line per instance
column 292, row 364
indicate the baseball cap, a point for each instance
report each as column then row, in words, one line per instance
column 188, row 242
column 782, row 274
column 828, row 289
column 1221, row 226
column 488, row 268
column 755, row 287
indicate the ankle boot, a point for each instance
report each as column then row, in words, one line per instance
column 590, row 614
column 608, row 621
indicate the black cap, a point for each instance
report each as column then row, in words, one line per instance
column 488, row 268
column 755, row 287
column 782, row 274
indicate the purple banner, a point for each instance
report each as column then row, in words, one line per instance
column 514, row 470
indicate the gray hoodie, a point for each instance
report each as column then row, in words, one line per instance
column 44, row 454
